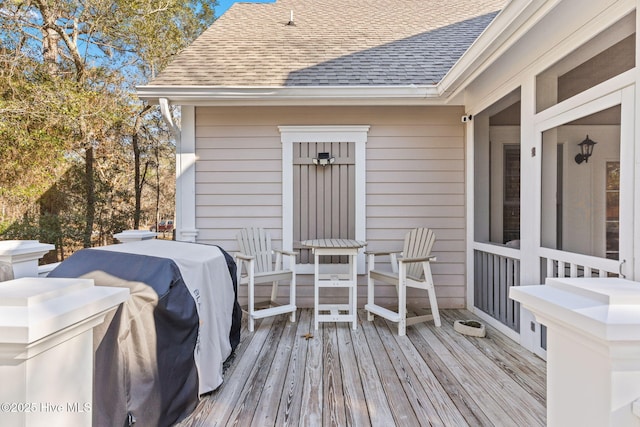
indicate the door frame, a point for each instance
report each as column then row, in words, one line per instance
column 596, row 99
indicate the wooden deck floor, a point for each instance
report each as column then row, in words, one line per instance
column 340, row 377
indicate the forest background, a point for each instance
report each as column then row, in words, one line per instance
column 81, row 157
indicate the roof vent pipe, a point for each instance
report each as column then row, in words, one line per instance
column 291, row 19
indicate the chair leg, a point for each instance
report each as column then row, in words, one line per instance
column 292, row 295
column 434, row 307
column 274, row 292
column 370, row 285
column 402, row 300
column 432, row 295
column 316, row 292
column 353, row 291
column 251, row 296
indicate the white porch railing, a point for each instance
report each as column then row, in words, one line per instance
column 567, row 264
column 496, row 269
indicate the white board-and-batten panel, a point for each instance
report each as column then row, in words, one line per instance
column 415, row 177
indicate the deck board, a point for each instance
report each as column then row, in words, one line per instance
column 464, row 404
column 246, row 405
column 356, row 413
column 376, row 401
column 333, row 408
column 496, row 383
column 370, row 376
column 522, row 365
column 401, row 409
column 442, row 409
column 291, row 400
column 311, row 413
column 273, row 391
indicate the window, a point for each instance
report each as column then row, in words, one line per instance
column 511, row 204
column 612, row 218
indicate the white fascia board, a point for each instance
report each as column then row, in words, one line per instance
column 307, row 95
column 518, row 17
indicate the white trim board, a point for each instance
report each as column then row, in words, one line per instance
column 353, row 133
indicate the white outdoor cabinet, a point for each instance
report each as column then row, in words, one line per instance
column 46, row 349
column 593, row 349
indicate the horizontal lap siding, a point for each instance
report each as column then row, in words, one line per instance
column 238, row 176
column 415, row 177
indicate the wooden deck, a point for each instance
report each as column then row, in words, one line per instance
column 288, row 374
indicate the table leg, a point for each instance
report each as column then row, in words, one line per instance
column 316, row 285
column 353, row 292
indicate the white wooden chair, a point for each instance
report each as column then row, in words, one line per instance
column 411, row 269
column 257, row 257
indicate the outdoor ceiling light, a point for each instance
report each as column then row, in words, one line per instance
column 324, row 159
column 586, row 150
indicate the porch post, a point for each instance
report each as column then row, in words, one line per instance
column 636, row 170
column 530, row 152
column 46, row 349
column 186, row 177
column 23, row 256
column 593, row 369
column 135, row 235
column 472, row 199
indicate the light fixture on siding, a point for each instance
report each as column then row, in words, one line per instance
column 586, row 150
column 324, row 159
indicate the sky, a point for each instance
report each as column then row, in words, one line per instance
column 223, row 5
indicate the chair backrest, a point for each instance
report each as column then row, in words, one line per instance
column 417, row 244
column 256, row 242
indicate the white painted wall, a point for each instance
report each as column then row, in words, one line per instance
column 584, row 196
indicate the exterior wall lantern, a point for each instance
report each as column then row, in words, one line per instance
column 586, row 150
column 324, row 159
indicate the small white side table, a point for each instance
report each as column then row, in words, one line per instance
column 332, row 312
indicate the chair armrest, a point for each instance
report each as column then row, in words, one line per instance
column 289, row 253
column 381, row 253
column 423, row 259
column 244, row 257
column 371, row 256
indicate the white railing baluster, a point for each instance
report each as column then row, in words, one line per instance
column 579, row 265
column 573, row 270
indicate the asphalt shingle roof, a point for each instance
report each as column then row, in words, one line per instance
column 333, row 43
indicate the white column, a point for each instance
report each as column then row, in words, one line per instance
column 530, row 178
column 46, row 349
column 186, row 177
column 23, row 256
column 593, row 349
column 636, row 156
